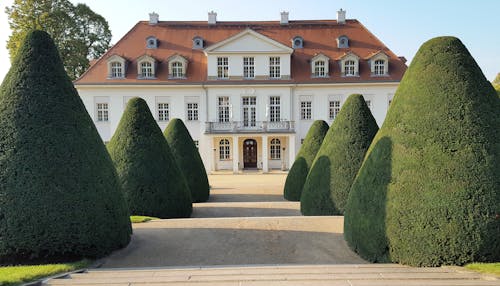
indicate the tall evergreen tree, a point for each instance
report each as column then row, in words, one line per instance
column 152, row 182
column 428, row 192
column 339, row 159
column 60, row 198
column 298, row 173
column 188, row 158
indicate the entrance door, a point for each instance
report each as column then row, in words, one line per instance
column 250, row 153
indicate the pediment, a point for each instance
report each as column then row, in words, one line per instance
column 248, row 41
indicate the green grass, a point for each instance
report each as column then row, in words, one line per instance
column 140, row 218
column 15, row 275
column 487, row 268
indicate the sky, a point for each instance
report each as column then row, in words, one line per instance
column 401, row 25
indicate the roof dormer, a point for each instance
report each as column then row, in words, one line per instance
column 349, row 64
column 320, row 65
column 146, row 67
column 379, row 64
column 343, row 42
column 116, row 67
column 297, row 42
column 151, row 42
column 177, row 67
column 198, row 42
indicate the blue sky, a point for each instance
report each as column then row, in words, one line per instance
column 402, row 25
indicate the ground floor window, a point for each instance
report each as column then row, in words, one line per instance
column 275, row 149
column 224, row 149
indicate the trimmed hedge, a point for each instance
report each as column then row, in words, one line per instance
column 60, row 199
column 188, row 159
column 428, row 193
column 297, row 175
column 152, row 182
column 339, row 159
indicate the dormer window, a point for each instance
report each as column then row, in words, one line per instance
column 177, row 67
column 151, row 43
column 146, row 67
column 319, row 66
column 349, row 65
column 198, row 42
column 379, row 64
column 116, row 67
column 298, row 42
column 343, row 42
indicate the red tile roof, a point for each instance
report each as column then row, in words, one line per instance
column 176, row 37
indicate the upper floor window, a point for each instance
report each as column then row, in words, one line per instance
column 102, row 112
column 343, row 42
column 319, row 65
column 222, row 67
column 198, row 42
column 379, row 67
column 116, row 67
column 163, row 112
column 248, row 67
column 274, row 67
column 192, row 111
column 177, row 67
column 305, row 110
column 334, row 109
column 151, row 43
column 349, row 64
column 223, row 109
column 146, row 67
column 116, row 70
column 349, row 68
column 224, row 150
column 275, row 149
column 274, row 108
column 297, row 42
column 379, row 64
column 319, row 69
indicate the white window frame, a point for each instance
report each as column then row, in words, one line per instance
column 379, row 64
column 379, row 67
column 275, row 149
column 163, row 111
column 116, row 67
column 274, row 108
column 333, row 109
column 306, row 110
column 177, row 67
column 224, row 149
column 116, row 70
column 192, row 111
column 146, row 69
column 274, row 67
column 349, row 68
column 319, row 68
column 248, row 67
column 223, row 106
column 102, row 111
column 222, row 67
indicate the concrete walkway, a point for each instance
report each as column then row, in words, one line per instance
column 247, row 234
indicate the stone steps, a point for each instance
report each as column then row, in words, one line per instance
column 246, row 209
column 348, row 275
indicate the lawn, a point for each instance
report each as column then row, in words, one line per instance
column 139, row 218
column 15, row 275
column 486, row 268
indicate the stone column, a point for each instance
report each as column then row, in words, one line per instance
column 265, row 152
column 291, row 150
column 236, row 154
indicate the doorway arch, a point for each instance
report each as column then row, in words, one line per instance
column 250, row 153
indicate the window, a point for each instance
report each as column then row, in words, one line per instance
column 334, row 109
column 151, row 43
column 222, row 67
column 274, row 67
column 319, row 69
column 223, row 109
column 163, row 112
column 275, row 149
column 177, row 70
column 146, row 69
column 196, row 143
column 197, row 42
column 343, row 42
column 305, row 110
column 192, row 111
column 379, row 68
column 249, row 111
column 102, row 112
column 116, row 70
column 274, row 109
column 349, row 68
column 224, row 150
column 297, row 42
column 248, row 67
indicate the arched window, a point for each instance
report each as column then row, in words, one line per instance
column 275, row 149
column 349, row 68
column 379, row 68
column 116, row 70
column 146, row 69
column 319, row 69
column 224, row 150
column 177, row 70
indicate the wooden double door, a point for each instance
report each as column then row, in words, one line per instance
column 249, row 153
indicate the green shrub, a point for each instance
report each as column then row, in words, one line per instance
column 298, row 173
column 428, row 192
column 60, row 198
column 152, row 182
column 188, row 159
column 339, row 159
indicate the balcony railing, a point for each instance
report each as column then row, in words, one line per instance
column 250, row 127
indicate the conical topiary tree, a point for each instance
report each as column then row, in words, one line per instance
column 428, row 192
column 188, row 159
column 298, row 173
column 60, row 198
column 338, row 160
column 152, row 182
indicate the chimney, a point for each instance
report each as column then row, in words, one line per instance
column 153, row 18
column 341, row 16
column 212, row 18
column 284, row 18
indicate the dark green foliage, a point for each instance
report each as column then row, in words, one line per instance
column 298, row 173
column 428, row 193
column 60, row 198
column 339, row 159
column 151, row 180
column 188, row 159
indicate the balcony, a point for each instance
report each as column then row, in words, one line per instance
column 250, row 127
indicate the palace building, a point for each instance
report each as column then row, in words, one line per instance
column 247, row 91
